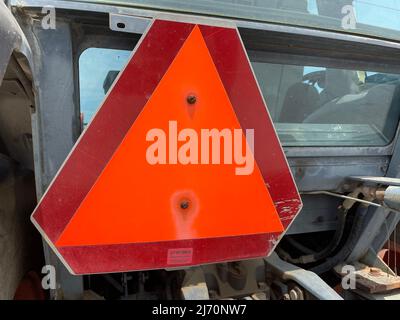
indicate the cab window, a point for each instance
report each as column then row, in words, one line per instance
column 311, row 105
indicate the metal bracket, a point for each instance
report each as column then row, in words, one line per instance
column 130, row 24
column 194, row 285
column 310, row 281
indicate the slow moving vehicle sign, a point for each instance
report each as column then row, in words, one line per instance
column 180, row 166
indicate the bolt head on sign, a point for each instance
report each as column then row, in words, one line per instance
column 164, row 176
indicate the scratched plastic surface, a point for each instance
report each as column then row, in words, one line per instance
column 109, row 210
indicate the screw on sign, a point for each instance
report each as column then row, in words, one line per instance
column 110, row 210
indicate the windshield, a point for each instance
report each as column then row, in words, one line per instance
column 370, row 17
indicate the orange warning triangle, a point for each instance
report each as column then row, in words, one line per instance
column 135, row 201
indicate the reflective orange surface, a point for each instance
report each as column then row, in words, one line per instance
column 133, row 201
